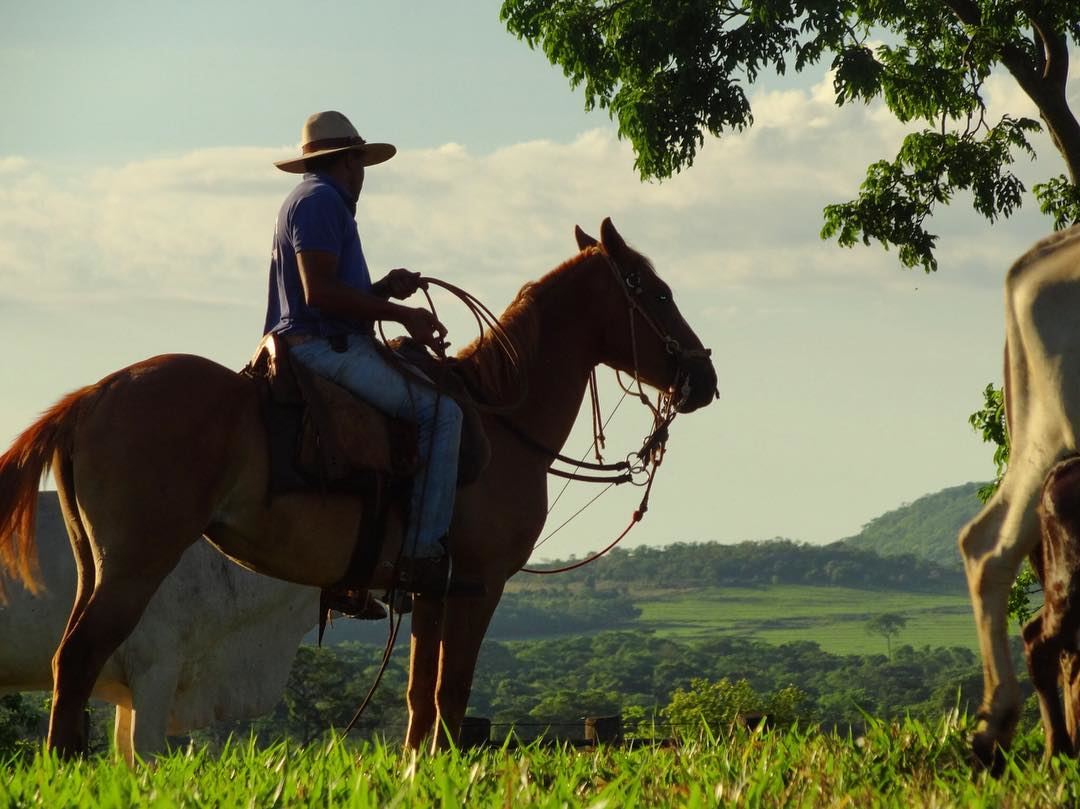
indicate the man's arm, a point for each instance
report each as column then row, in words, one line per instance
column 323, row 290
column 399, row 283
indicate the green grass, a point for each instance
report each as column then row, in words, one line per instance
column 834, row 617
column 901, row 765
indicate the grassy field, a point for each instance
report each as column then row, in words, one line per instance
column 834, row 617
column 902, row 765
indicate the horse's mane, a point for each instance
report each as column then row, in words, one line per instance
column 489, row 372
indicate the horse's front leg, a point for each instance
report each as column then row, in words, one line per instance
column 427, row 618
column 466, row 623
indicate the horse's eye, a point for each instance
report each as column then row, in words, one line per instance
column 663, row 298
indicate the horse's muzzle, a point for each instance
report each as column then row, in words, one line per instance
column 695, row 384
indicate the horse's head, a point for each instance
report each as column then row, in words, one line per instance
column 646, row 334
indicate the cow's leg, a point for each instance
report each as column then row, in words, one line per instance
column 1058, row 567
column 122, row 725
column 1044, row 663
column 152, row 693
column 467, row 621
column 993, row 546
column 427, row 617
column 1070, row 686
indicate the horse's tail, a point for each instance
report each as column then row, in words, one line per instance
column 48, row 441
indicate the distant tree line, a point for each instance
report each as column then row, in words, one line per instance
column 556, row 681
column 562, row 680
column 553, row 680
column 760, row 564
column 562, row 610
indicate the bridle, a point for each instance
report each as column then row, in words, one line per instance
column 649, row 457
column 630, row 285
column 639, row 468
column 664, row 411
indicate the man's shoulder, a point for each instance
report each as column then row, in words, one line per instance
column 314, row 192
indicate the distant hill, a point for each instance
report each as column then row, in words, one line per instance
column 926, row 528
column 690, row 565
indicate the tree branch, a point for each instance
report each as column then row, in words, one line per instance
column 1055, row 49
column 1047, row 88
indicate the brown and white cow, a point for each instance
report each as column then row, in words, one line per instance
column 1042, row 401
column 1051, row 641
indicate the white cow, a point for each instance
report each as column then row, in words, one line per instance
column 1042, row 402
column 216, row 641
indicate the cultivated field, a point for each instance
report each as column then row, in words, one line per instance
column 903, row 765
column 833, row 617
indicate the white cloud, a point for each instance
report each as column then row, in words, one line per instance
column 11, row 165
column 198, row 225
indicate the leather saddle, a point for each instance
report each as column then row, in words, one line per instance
column 322, row 437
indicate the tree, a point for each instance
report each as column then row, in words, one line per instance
column 888, row 626
column 989, row 422
column 672, row 72
column 717, row 705
column 18, row 722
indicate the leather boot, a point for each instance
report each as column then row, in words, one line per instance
column 353, row 604
column 431, row 576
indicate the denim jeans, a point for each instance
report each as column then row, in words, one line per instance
column 362, row 370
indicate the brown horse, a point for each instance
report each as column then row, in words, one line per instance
column 157, row 455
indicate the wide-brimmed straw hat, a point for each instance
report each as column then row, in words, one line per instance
column 329, row 132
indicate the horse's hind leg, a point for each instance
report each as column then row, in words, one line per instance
column 110, row 615
column 85, row 573
column 127, row 578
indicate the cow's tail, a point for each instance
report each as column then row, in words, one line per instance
column 47, row 442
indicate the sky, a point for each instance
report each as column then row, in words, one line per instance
column 137, row 200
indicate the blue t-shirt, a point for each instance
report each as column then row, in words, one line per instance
column 317, row 215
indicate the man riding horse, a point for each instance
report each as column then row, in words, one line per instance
column 323, row 304
column 153, row 457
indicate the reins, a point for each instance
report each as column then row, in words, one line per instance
column 486, row 322
column 652, row 450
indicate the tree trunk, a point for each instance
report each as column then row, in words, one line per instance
column 1044, row 81
column 1064, row 132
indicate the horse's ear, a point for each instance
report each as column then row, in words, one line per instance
column 583, row 239
column 610, row 238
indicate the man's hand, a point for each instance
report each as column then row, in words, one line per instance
column 423, row 327
column 399, row 283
